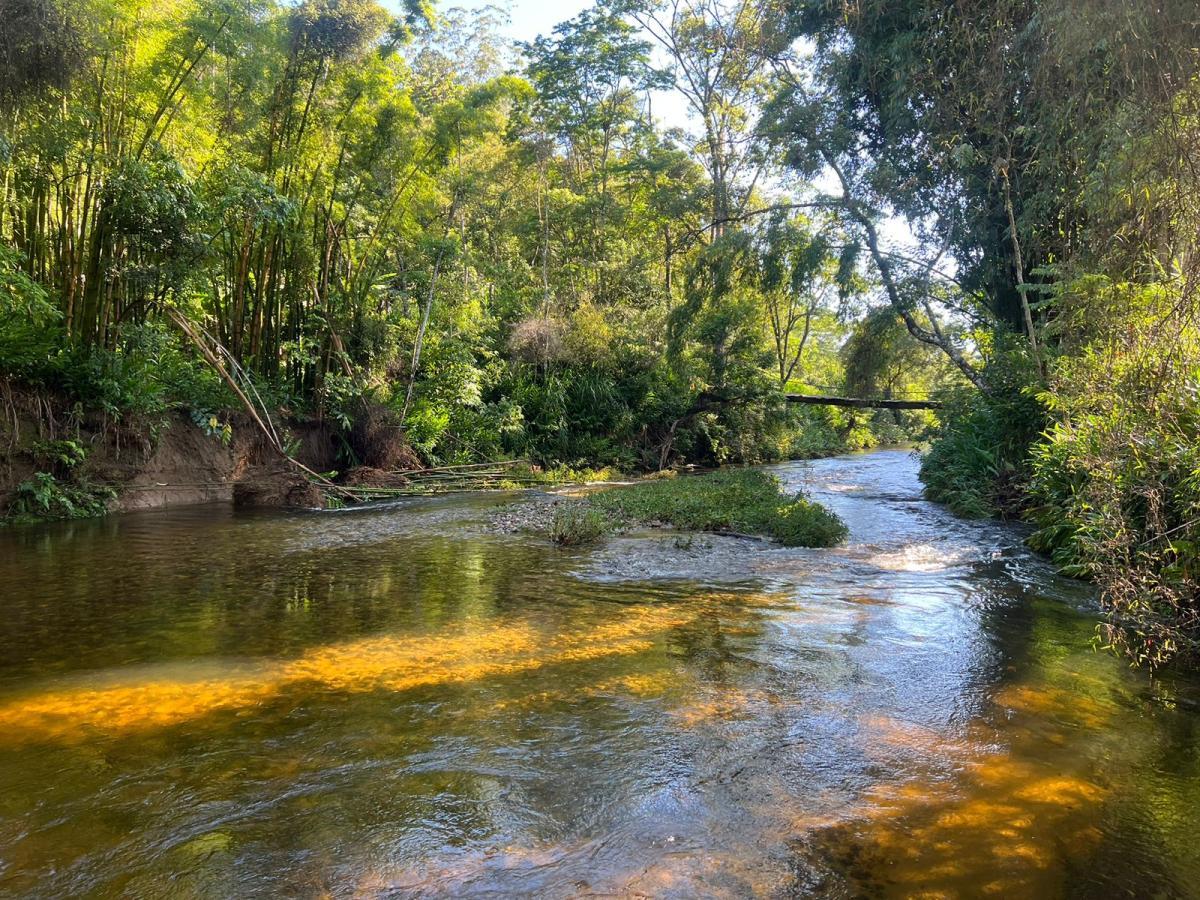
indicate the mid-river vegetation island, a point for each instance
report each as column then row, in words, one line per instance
column 257, row 248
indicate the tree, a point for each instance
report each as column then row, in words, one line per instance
column 989, row 123
column 797, row 275
column 883, row 360
column 718, row 54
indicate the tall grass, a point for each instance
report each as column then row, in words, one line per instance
column 577, row 524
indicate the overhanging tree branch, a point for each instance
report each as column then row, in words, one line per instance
column 753, row 213
column 934, row 335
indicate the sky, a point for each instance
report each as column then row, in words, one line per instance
column 530, row 17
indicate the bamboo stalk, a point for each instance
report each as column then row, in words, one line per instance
column 269, row 433
column 465, row 466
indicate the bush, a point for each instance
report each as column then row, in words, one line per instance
column 1116, row 480
column 803, row 523
column 46, row 497
column 61, row 492
column 577, row 524
column 60, row 456
column 978, row 463
column 146, row 375
column 821, row 431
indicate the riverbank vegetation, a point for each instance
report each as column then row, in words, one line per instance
column 389, row 222
column 1047, row 153
column 737, row 501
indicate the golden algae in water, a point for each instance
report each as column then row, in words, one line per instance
column 379, row 663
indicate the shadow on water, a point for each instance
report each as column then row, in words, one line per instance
column 397, row 702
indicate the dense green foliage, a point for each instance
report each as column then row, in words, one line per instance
column 980, row 464
column 1116, row 478
column 508, row 253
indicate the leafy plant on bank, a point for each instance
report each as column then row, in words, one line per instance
column 978, row 462
column 62, row 492
column 46, row 497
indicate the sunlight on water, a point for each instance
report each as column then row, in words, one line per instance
column 919, row 558
column 993, row 819
column 385, row 663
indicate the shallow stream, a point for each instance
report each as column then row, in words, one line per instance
column 400, row 702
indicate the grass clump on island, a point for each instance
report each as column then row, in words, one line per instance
column 738, row 501
column 577, row 524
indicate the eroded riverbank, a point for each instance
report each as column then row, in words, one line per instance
column 402, row 702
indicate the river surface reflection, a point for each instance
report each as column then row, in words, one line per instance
column 397, row 702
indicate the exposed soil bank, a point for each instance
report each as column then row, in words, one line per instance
column 167, row 462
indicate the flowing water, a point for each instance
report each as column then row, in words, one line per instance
column 398, row 702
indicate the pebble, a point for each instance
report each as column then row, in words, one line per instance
column 534, row 514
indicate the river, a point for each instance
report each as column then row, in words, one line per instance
column 401, row 702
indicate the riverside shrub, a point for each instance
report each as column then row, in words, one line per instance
column 1116, row 479
column 978, row 463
